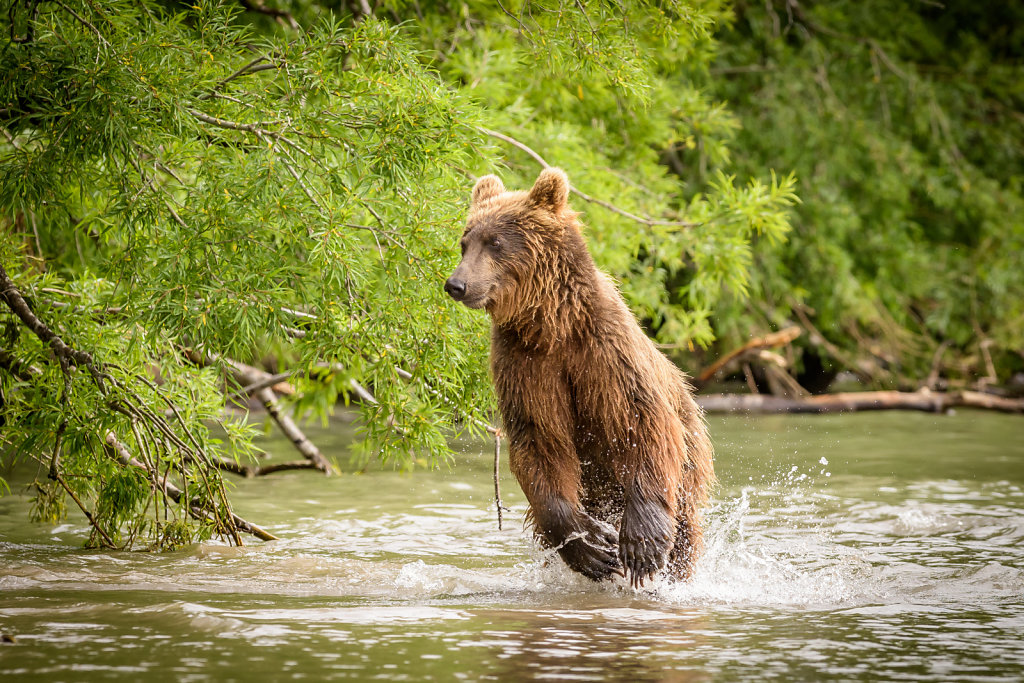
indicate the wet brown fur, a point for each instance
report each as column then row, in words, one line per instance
column 602, row 426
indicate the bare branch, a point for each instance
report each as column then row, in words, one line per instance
column 497, row 476
column 924, row 400
column 264, row 470
column 306, row 447
column 582, row 195
column 268, row 381
column 246, row 374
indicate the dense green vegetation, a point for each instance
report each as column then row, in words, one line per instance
column 187, row 186
column 904, row 124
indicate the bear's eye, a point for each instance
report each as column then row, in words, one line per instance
column 495, row 243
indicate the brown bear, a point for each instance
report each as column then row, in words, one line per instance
column 602, row 427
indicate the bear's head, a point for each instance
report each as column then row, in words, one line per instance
column 513, row 243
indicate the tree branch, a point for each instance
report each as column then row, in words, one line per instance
column 586, row 197
column 120, row 398
column 121, row 454
column 11, row 296
column 248, row 375
column 306, row 447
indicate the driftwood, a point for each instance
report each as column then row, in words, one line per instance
column 925, row 401
column 768, row 341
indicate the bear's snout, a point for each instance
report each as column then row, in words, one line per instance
column 456, row 288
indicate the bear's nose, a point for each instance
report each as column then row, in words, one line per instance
column 456, row 288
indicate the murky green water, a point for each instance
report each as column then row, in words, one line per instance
column 872, row 547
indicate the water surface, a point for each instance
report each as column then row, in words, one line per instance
column 868, row 546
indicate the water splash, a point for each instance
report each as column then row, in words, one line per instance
column 747, row 562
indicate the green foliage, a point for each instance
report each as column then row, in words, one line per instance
column 191, row 177
column 614, row 123
column 903, row 122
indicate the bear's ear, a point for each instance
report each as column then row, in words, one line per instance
column 551, row 190
column 487, row 187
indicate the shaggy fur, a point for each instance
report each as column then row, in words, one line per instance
column 604, row 435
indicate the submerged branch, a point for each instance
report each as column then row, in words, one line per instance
column 283, row 466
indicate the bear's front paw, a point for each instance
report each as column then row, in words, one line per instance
column 592, row 550
column 645, row 538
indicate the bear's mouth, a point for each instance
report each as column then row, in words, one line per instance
column 479, row 301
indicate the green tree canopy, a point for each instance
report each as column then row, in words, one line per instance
column 183, row 187
column 903, row 122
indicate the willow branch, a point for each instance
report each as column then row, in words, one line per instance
column 248, row 375
column 12, row 297
column 645, row 220
column 120, row 398
column 121, row 454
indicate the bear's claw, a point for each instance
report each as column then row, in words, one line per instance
column 643, row 558
column 594, row 553
column 645, row 538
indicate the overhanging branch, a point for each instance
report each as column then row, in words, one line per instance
column 123, row 399
column 645, row 220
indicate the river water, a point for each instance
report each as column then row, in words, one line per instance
column 885, row 546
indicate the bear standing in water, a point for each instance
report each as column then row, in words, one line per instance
column 604, row 435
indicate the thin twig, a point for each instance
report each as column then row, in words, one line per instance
column 497, row 472
column 124, row 456
column 88, row 515
column 254, row 66
column 582, row 195
column 268, row 381
column 83, row 21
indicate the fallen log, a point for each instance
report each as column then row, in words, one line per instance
column 924, row 401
